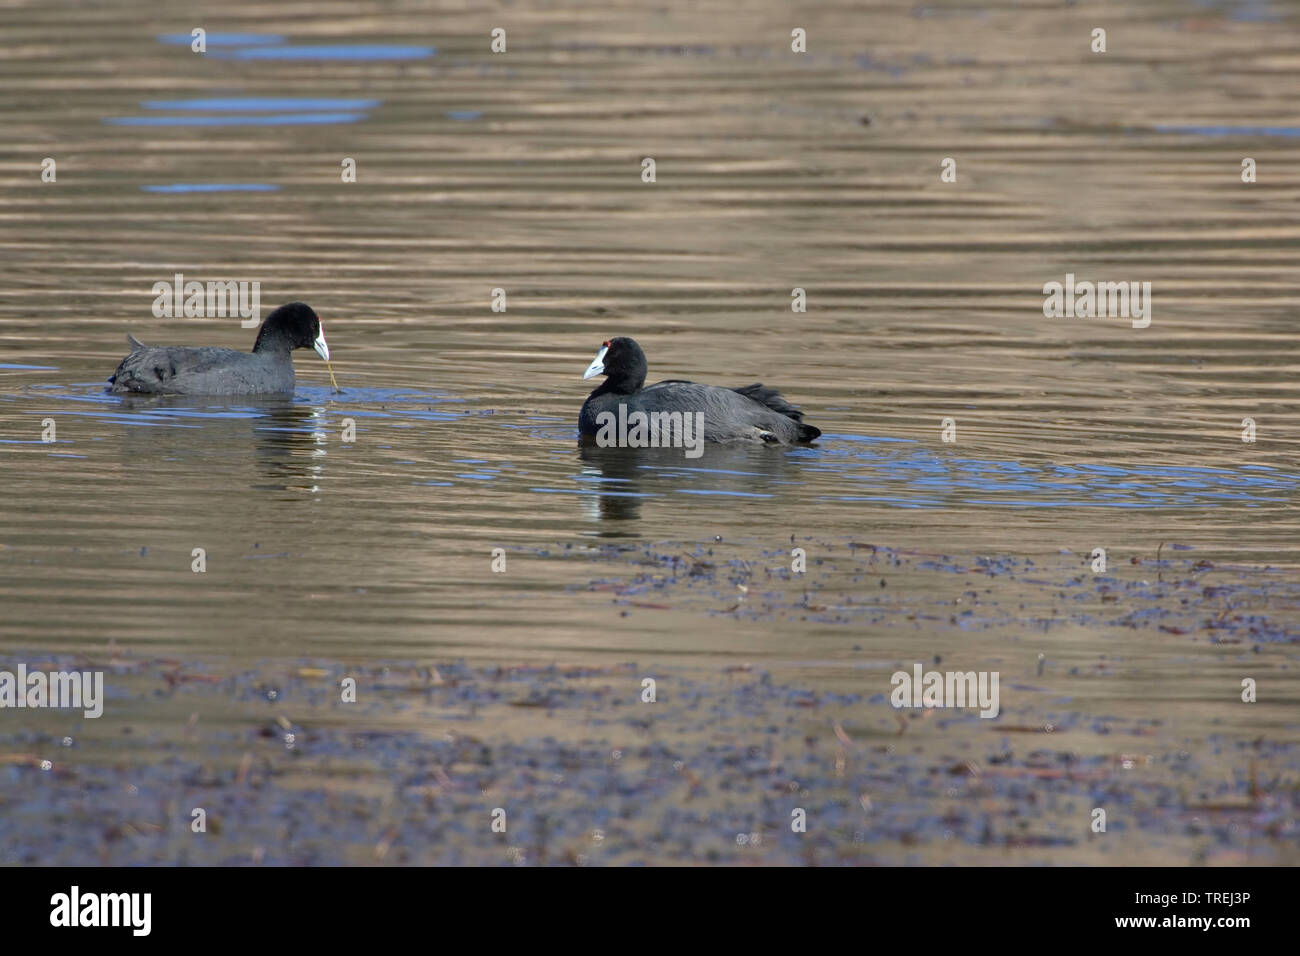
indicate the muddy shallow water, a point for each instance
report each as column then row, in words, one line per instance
column 373, row 558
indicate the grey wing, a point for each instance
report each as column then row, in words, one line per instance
column 155, row 370
column 729, row 414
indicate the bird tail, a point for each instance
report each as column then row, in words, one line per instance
column 774, row 400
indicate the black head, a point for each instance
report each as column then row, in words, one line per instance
column 622, row 363
column 292, row 326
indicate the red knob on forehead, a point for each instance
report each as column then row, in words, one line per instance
column 605, row 343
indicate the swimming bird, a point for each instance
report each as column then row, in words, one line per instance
column 178, row 370
column 750, row 413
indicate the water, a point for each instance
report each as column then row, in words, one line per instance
column 774, row 171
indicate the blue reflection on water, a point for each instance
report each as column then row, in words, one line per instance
column 254, row 103
column 848, row 468
column 273, row 119
column 347, row 51
column 911, row 474
column 223, row 39
column 1291, row 132
column 269, row 46
column 212, row 188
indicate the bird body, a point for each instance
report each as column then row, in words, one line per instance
column 754, row 413
column 181, row 370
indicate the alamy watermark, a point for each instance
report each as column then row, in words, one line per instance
column 215, row 300
column 75, row 908
column 651, row 430
column 950, row 689
column 1085, row 300
column 82, row 690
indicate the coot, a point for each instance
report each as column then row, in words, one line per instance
column 177, row 370
column 751, row 413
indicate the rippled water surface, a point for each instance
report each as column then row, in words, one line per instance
column 774, row 171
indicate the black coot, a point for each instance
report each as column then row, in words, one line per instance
column 177, row 370
column 751, row 413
